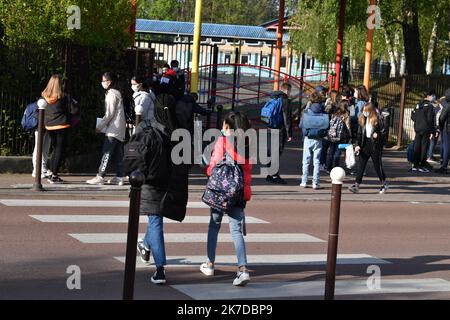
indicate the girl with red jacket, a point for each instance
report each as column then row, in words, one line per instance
column 233, row 121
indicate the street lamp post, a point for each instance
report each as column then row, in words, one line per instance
column 42, row 104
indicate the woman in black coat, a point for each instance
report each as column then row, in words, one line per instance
column 369, row 144
column 165, row 192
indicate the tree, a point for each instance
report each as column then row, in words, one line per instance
column 409, row 28
column 250, row 12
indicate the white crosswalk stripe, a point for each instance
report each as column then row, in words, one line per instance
column 80, row 203
column 267, row 290
column 222, row 289
column 268, row 260
column 124, row 219
column 197, row 237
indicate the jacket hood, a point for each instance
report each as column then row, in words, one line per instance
column 144, row 93
column 317, row 107
column 277, row 94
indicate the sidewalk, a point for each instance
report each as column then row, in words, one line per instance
column 405, row 186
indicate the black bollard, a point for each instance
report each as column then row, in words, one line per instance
column 37, row 186
column 136, row 180
column 337, row 178
column 219, row 117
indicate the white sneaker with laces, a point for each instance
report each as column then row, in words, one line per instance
column 206, row 269
column 116, row 181
column 97, row 180
column 242, row 279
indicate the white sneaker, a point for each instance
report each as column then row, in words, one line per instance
column 44, row 174
column 242, row 279
column 206, row 269
column 303, row 185
column 116, row 181
column 96, row 180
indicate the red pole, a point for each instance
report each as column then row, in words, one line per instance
column 279, row 45
column 133, row 25
column 340, row 43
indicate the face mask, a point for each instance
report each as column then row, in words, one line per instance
column 176, row 69
column 433, row 99
column 366, row 114
column 135, row 88
column 225, row 133
column 105, row 86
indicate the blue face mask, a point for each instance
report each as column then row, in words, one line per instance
column 225, row 133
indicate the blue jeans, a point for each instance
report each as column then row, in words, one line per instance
column 311, row 149
column 236, row 218
column 154, row 240
column 430, row 152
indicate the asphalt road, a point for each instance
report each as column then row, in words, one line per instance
column 406, row 242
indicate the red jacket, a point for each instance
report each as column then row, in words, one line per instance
column 245, row 164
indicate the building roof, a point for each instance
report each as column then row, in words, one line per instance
column 209, row 30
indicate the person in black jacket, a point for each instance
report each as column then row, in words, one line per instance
column 165, row 191
column 57, row 123
column 369, row 144
column 285, row 128
column 423, row 117
column 444, row 126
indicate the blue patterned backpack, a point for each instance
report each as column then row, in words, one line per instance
column 225, row 187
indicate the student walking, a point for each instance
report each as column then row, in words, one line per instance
column 143, row 100
column 223, row 147
column 113, row 124
column 314, row 124
column 284, row 128
column 339, row 133
column 369, row 144
column 423, row 117
column 165, row 191
column 57, row 123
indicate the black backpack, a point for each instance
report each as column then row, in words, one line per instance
column 148, row 152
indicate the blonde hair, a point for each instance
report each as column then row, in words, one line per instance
column 54, row 88
column 373, row 117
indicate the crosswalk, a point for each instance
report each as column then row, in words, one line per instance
column 221, row 289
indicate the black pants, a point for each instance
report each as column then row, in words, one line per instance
column 111, row 147
column 58, row 140
column 421, row 143
column 370, row 150
column 282, row 143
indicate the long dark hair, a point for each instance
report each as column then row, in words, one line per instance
column 363, row 94
column 165, row 105
column 239, row 123
column 113, row 78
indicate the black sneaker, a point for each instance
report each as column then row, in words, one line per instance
column 269, row 179
column 427, row 166
column 55, row 180
column 143, row 251
column 279, row 180
column 159, row 277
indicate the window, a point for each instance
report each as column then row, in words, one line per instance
column 283, row 62
column 264, row 61
column 227, row 58
column 245, row 59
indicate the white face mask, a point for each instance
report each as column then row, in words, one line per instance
column 105, row 86
column 135, row 88
column 226, row 133
column 366, row 114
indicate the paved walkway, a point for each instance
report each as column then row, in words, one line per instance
column 405, row 186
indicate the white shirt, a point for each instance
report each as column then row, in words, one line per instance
column 369, row 129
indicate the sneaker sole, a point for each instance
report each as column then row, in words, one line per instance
column 158, row 281
column 242, row 284
column 208, row 274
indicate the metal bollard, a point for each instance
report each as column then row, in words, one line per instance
column 136, row 180
column 219, row 117
column 37, row 186
column 337, row 177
